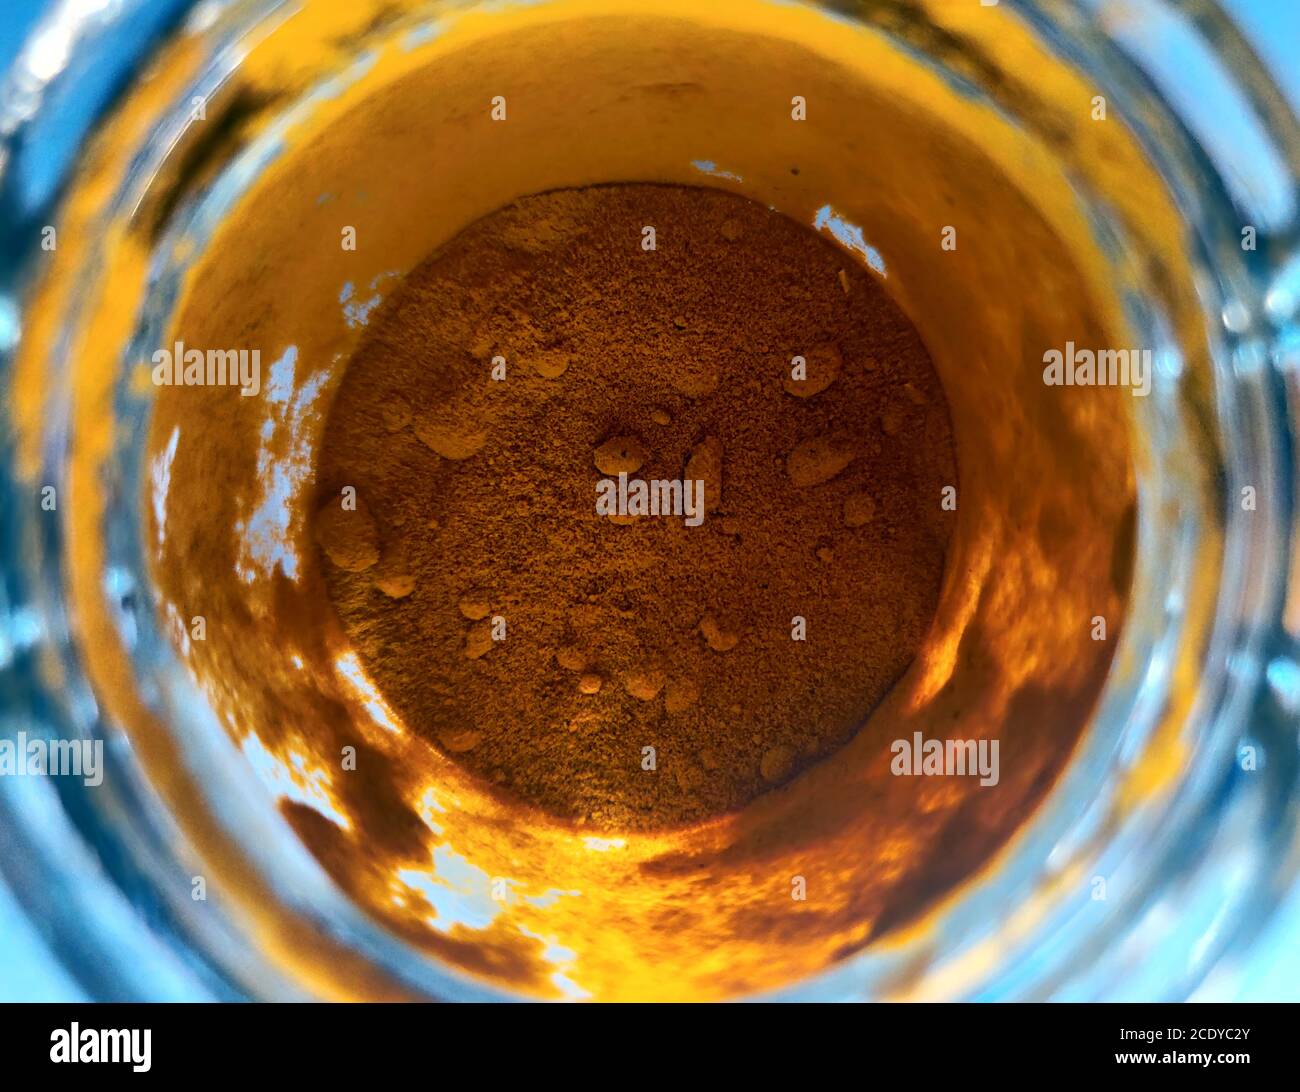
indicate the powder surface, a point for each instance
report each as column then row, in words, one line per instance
column 632, row 671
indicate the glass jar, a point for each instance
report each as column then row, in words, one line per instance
column 132, row 132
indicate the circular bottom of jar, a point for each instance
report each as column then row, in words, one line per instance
column 636, row 525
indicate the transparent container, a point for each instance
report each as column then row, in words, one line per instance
column 1157, row 859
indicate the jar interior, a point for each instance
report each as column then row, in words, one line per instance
column 406, row 154
column 401, row 148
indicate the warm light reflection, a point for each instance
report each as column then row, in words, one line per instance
column 699, row 913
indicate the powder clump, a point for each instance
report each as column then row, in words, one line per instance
column 819, row 368
column 348, row 535
column 620, row 455
column 818, row 460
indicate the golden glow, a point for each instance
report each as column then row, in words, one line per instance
column 511, row 897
